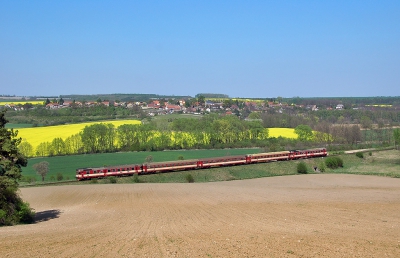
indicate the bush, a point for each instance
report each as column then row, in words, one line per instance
column 360, row 155
column 3, row 216
column 94, row 181
column 136, row 178
column 15, row 210
column 333, row 162
column 339, row 162
column 59, row 176
column 31, row 180
column 26, row 214
column 302, row 167
column 112, row 180
column 322, row 167
column 189, row 178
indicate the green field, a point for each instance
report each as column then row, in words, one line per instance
column 282, row 168
column 16, row 126
column 380, row 163
column 67, row 165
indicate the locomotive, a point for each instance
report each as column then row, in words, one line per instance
column 203, row 163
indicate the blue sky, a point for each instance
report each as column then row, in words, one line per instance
column 255, row 49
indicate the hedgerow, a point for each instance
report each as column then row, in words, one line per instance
column 302, row 168
column 334, row 162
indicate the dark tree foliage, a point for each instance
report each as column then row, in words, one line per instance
column 333, row 162
column 189, row 178
column 302, row 167
column 360, row 155
column 12, row 209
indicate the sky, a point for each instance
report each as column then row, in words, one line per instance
column 251, row 49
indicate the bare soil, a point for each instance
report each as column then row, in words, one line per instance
column 318, row 215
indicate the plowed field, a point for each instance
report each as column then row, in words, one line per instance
column 293, row 216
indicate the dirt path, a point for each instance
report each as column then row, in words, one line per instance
column 293, row 216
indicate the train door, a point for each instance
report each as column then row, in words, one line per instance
column 83, row 174
column 248, row 159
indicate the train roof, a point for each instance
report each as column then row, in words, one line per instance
column 224, row 157
column 109, row 167
column 172, row 162
column 314, row 149
column 270, row 153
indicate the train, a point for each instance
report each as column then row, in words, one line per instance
column 201, row 163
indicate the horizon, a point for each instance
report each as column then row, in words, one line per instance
column 43, row 97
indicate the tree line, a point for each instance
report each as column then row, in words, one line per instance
column 210, row 131
column 179, row 134
column 39, row 116
column 293, row 117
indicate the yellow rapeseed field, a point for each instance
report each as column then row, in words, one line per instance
column 33, row 102
column 284, row 132
column 379, row 105
column 37, row 135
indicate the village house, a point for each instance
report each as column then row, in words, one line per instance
column 339, row 106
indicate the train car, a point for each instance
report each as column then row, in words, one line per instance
column 156, row 167
column 305, row 154
column 222, row 161
column 269, row 156
column 122, row 170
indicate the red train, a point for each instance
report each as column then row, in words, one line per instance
column 156, row 167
